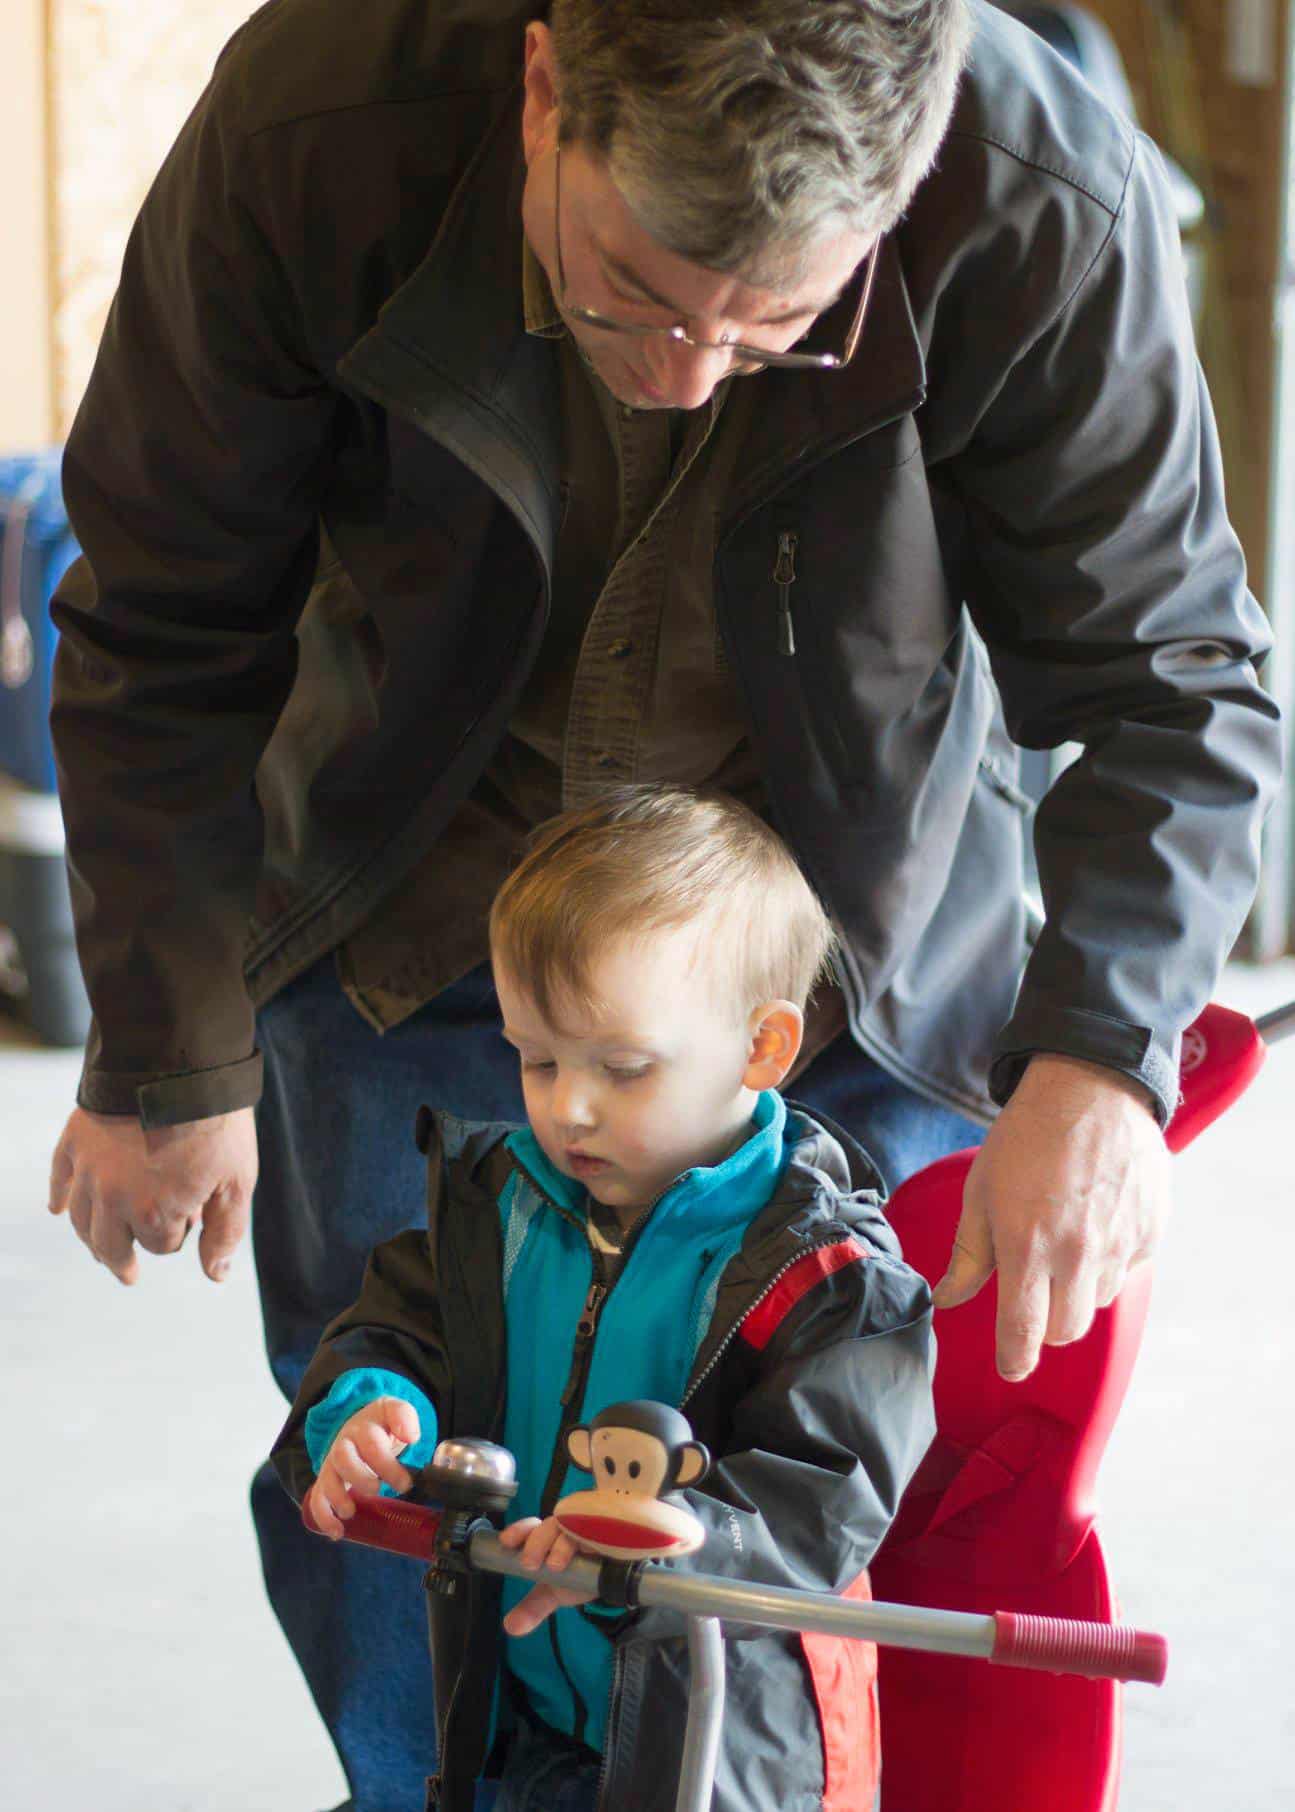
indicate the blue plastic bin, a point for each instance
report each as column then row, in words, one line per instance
column 38, row 965
column 36, row 549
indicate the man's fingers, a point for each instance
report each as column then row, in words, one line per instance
column 1023, row 1304
column 971, row 1263
column 1071, row 1311
column 160, row 1229
column 113, row 1243
column 1111, row 1280
column 61, row 1171
column 224, row 1222
column 80, row 1209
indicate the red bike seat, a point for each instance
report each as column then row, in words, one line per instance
column 1000, row 1517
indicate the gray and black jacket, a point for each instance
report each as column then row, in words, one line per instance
column 810, row 1386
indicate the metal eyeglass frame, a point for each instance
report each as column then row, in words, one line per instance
column 760, row 357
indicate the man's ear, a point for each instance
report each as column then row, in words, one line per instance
column 541, row 90
column 776, row 1030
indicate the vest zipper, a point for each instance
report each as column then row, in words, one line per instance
column 784, row 577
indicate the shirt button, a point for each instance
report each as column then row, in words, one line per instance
column 619, row 649
column 606, row 760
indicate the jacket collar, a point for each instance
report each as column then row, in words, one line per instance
column 804, row 416
column 704, row 1200
column 450, row 350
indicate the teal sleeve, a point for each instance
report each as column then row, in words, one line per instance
column 365, row 1384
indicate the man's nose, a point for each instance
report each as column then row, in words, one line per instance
column 686, row 374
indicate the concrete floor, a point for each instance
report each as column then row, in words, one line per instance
column 141, row 1671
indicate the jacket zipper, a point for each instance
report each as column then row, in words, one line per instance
column 784, row 577
column 572, row 1400
column 618, row 1668
column 582, row 1350
column 695, row 1384
column 582, row 1347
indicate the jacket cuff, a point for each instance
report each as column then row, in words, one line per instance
column 1133, row 1050
column 170, row 1100
column 355, row 1390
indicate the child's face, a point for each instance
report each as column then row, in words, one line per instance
column 660, row 1081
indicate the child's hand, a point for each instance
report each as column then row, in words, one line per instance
column 362, row 1457
column 542, row 1544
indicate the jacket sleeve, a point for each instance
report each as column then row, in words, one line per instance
column 394, row 1326
column 192, row 476
column 1110, row 591
column 820, row 1445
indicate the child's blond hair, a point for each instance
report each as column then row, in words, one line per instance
column 644, row 859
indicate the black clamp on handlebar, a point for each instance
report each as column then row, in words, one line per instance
column 618, row 1583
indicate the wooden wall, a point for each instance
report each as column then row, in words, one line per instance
column 1208, row 76
column 26, row 343
column 123, row 75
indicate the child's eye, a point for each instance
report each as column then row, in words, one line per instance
column 622, row 1073
column 538, row 1064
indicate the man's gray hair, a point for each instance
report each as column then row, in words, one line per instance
column 745, row 132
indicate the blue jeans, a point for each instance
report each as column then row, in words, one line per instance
column 340, row 1172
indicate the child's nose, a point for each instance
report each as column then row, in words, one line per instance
column 573, row 1105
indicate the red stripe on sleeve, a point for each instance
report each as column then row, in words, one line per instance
column 764, row 1320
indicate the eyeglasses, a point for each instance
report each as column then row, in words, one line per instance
column 758, row 356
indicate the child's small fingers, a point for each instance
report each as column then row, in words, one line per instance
column 334, row 1492
column 375, row 1448
column 324, row 1517
column 530, row 1612
column 515, row 1533
column 540, row 1602
column 351, row 1466
column 535, row 1549
column 562, row 1553
column 399, row 1420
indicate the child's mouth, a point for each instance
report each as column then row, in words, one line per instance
column 584, row 1165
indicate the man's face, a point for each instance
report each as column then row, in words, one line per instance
column 652, row 1084
column 617, row 269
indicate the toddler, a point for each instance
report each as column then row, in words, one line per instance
column 666, row 1226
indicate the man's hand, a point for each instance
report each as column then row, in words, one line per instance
column 362, row 1457
column 542, row 1544
column 122, row 1185
column 1070, row 1190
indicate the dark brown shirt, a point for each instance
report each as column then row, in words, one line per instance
column 631, row 681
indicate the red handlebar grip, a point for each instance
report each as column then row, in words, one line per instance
column 390, row 1523
column 1101, row 1651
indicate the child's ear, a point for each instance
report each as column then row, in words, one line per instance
column 776, row 1031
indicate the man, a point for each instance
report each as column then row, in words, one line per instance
column 443, row 464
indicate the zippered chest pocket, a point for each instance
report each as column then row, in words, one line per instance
column 856, row 595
